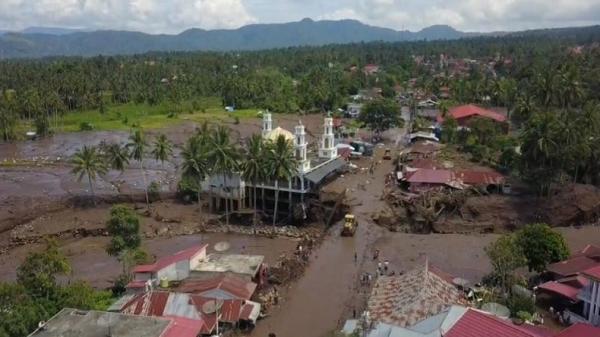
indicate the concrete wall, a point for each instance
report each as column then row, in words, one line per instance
column 169, row 272
column 142, row 276
column 183, row 270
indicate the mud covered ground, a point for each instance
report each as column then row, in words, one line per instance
column 38, row 197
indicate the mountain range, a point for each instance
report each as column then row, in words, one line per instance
column 40, row 42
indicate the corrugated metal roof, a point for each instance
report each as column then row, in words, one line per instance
column 580, row 330
column 183, row 327
column 593, row 272
column 428, row 176
column 236, row 287
column 318, row 174
column 169, row 260
column 472, row 177
column 572, row 266
column 471, row 110
column 477, row 324
column 560, row 289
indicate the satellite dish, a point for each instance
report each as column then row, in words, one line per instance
column 222, row 246
column 211, row 306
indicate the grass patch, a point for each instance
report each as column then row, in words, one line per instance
column 130, row 115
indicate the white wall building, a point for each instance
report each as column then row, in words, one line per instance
column 590, row 295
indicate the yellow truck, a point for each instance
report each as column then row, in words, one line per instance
column 350, row 225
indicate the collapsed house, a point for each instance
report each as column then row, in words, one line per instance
column 423, row 179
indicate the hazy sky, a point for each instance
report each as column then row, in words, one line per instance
column 174, row 16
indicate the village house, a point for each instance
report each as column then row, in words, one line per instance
column 176, row 267
column 465, row 113
column 573, row 288
column 195, row 263
column 228, row 313
column 82, row 323
column 460, row 321
column 406, row 299
column 370, row 69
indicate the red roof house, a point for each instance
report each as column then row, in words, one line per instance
column 464, row 113
column 580, row 330
column 593, row 273
column 370, row 69
column 587, row 258
column 478, row 178
column 478, row 324
column 176, row 267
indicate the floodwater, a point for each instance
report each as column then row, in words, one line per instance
column 90, row 262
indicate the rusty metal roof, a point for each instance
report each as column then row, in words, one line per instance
column 232, row 286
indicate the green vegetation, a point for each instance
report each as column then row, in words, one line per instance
column 534, row 246
column 506, row 256
column 37, row 296
column 281, row 165
column 541, row 246
column 124, row 229
column 88, row 162
column 381, row 115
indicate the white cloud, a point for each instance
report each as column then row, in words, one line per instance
column 480, row 15
column 173, row 16
column 154, row 16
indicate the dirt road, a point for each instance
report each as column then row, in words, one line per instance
column 330, row 292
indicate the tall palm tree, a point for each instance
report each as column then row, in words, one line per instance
column 253, row 166
column 224, row 157
column 282, row 166
column 163, row 149
column 117, row 157
column 137, row 146
column 88, row 162
column 195, row 162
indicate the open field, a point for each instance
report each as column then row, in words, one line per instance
column 127, row 116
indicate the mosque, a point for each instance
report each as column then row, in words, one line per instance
column 313, row 169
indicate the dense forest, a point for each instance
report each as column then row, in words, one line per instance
column 549, row 82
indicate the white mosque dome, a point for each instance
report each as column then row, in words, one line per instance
column 278, row 131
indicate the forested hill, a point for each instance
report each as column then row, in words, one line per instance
column 252, row 37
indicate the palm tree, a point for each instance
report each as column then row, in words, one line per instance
column 88, row 162
column 137, row 148
column 224, row 157
column 282, row 166
column 253, row 166
column 195, row 162
column 163, row 149
column 117, row 157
